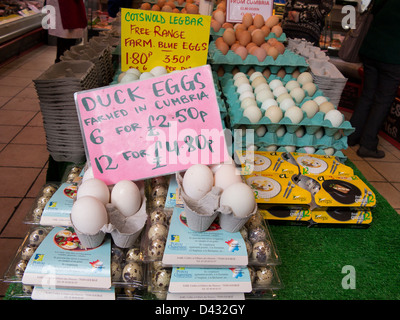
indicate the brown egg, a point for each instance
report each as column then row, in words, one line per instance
column 265, row 46
column 219, row 40
column 161, row 3
column 166, row 8
column 155, row 8
column 180, row 2
column 229, row 36
column 219, row 15
column 220, row 71
column 272, row 21
column 250, row 71
column 223, row 47
column 252, row 49
column 235, row 45
column 266, row 73
column 244, row 38
column 260, row 54
column 171, row 4
column 192, row 8
column 247, row 20
column 189, row 1
column 277, row 30
column 258, row 21
column 250, row 45
column 272, row 52
column 145, row 6
column 251, row 28
column 235, row 70
column 227, row 25
column 215, row 25
column 257, row 36
column 242, row 52
column 272, row 41
column 239, row 26
column 266, row 30
column 280, row 47
column 296, row 73
column 222, row 6
column 183, row 10
column 175, row 10
column 281, row 73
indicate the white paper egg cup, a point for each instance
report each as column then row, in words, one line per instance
column 200, row 214
column 90, row 241
column 229, row 222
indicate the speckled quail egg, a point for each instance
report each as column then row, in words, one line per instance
column 158, row 180
column 257, row 234
column 28, row 251
column 37, row 213
column 249, row 247
column 132, row 272
column 158, row 202
column 261, row 251
column 243, row 231
column 48, row 191
column 27, row 289
column 157, row 231
column 41, row 201
column 117, row 253
column 159, row 191
column 20, row 268
column 133, row 255
column 130, row 291
column 116, row 270
column 264, row 276
column 156, row 249
column 254, row 221
column 37, row 236
column 252, row 274
column 158, row 216
column 157, row 265
column 161, row 279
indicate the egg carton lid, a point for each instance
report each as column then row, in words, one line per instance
column 71, row 70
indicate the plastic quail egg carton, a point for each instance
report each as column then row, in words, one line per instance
column 158, row 279
column 30, row 243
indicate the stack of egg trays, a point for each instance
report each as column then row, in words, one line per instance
column 311, row 126
column 55, row 89
column 288, row 60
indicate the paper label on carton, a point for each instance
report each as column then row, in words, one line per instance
column 40, row 293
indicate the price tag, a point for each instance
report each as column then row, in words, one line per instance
column 236, row 9
column 174, row 40
column 152, row 127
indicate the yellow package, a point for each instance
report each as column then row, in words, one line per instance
column 286, row 213
column 344, row 216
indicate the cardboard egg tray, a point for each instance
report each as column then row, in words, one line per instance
column 288, row 60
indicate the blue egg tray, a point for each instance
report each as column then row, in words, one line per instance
column 288, row 60
column 214, row 35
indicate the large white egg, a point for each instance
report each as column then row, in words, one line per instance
column 88, row 215
column 226, row 175
column 128, row 77
column 320, row 99
column 264, row 95
column 134, row 71
column 280, row 131
column 146, row 75
column 295, row 114
column 88, row 174
column 275, row 83
column 197, row 181
column 274, row 113
column 290, row 148
column 267, row 103
column 255, row 75
column 253, row 113
column 241, row 80
column 309, row 149
column 304, row 77
column 319, row 133
column 258, row 82
column 300, row 132
column 283, row 97
column 271, row 147
column 286, row 104
column 240, row 198
column 158, row 71
column 329, row 151
column 309, row 88
column 261, row 86
column 335, row 117
column 95, row 188
column 279, row 90
column 298, row 94
column 247, row 102
column 244, row 87
column 239, row 74
column 310, row 107
column 246, row 94
column 126, row 197
column 290, row 85
column 261, row 131
column 121, row 75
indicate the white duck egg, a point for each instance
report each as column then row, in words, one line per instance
column 268, row 102
column 226, row 175
column 88, row 174
column 88, row 215
column 240, row 198
column 127, row 78
column 158, row 71
column 310, row 107
column 309, row 88
column 264, row 95
column 126, row 197
column 241, row 80
column 247, row 102
column 95, row 188
column 261, row 131
column 253, row 113
column 244, row 87
column 246, row 94
column 280, row 131
column 134, row 71
column 295, row 114
column 304, row 77
column 274, row 113
column 279, row 90
column 286, row 104
column 255, row 75
column 239, row 74
column 197, row 181
column 320, row 99
column 275, row 83
column 121, row 75
column 146, row 75
column 290, row 85
column 298, row 94
column 260, row 87
column 335, row 117
column 258, row 81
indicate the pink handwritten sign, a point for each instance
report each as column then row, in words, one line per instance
column 152, row 127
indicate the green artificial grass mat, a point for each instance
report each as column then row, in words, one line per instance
column 313, row 258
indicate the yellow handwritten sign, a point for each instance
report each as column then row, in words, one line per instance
column 176, row 41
